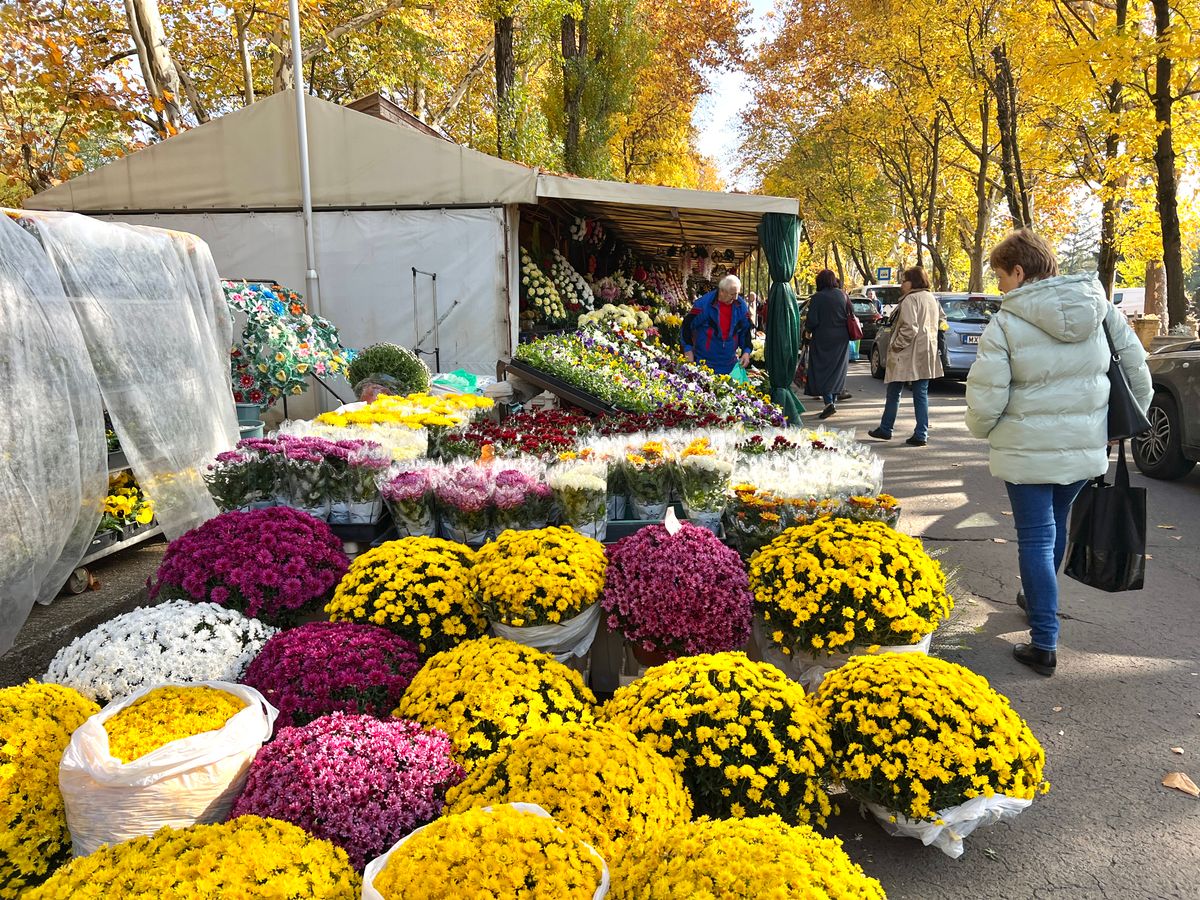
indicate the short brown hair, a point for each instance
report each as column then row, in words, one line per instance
column 917, row 277
column 1028, row 250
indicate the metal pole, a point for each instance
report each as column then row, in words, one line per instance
column 312, row 285
column 416, row 326
column 437, row 341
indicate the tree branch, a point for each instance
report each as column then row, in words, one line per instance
column 357, row 23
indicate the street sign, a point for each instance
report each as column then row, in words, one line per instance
column 883, row 274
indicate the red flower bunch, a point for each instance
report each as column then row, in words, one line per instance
column 681, row 594
column 326, row 667
column 662, row 419
column 271, row 564
column 544, row 434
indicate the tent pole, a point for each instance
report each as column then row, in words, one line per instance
column 312, row 285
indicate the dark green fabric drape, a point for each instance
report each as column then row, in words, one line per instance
column 780, row 237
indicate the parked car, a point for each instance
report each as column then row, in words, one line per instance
column 888, row 294
column 1172, row 448
column 966, row 314
column 868, row 317
column 1131, row 300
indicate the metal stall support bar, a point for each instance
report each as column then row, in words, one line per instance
column 437, row 344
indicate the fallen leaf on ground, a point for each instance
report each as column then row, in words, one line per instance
column 1006, row 514
column 1177, row 537
column 1177, row 750
column 1003, row 541
column 1058, row 709
column 1181, row 782
column 1061, row 733
column 1166, row 527
column 989, row 853
column 1148, row 556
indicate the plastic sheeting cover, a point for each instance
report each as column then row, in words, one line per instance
column 52, row 482
column 150, row 331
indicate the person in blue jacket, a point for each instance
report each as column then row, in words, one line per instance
column 717, row 332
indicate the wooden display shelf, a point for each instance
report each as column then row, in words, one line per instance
column 555, row 385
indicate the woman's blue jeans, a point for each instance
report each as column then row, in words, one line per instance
column 1040, row 513
column 920, row 390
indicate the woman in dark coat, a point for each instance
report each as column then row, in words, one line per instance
column 828, row 341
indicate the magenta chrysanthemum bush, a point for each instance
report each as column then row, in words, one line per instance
column 681, row 594
column 326, row 667
column 271, row 564
column 356, row 781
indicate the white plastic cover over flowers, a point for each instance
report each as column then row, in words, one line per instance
column 954, row 823
column 563, row 641
column 92, row 310
column 377, row 865
column 190, row 781
column 52, row 481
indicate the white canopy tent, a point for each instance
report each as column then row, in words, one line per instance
column 387, row 199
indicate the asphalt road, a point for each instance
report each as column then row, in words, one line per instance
column 1127, row 688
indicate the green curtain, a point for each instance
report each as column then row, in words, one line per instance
column 780, row 237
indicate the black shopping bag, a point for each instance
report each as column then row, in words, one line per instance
column 1107, row 547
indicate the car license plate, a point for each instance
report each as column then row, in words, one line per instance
column 970, row 339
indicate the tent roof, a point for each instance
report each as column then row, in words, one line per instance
column 355, row 160
column 358, row 160
column 649, row 218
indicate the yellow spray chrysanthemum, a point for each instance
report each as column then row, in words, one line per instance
column 36, row 721
column 540, row 577
column 502, row 853
column 168, row 714
column 486, row 692
column 411, row 411
column 595, row 779
column 918, row 735
column 246, row 857
column 837, row 584
column 418, row 587
column 744, row 736
column 753, row 857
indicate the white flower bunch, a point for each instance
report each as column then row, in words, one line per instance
column 401, row 442
column 541, row 296
column 623, row 316
column 586, row 477
column 175, row 641
column 572, row 287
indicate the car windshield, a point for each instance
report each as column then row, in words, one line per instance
column 973, row 309
column 864, row 308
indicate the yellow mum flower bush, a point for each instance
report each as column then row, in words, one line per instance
column 745, row 738
column 36, row 721
column 505, row 852
column 246, row 857
column 596, row 780
column 486, row 692
column 411, row 411
column 542, row 577
column 168, row 714
column 918, row 735
column 755, row 857
column 417, row 587
column 836, row 584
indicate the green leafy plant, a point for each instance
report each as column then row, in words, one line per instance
column 400, row 363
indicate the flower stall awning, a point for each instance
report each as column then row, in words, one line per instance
column 247, row 160
column 649, row 218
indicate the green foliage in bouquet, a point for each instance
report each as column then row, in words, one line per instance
column 395, row 361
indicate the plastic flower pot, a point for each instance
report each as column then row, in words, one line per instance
column 250, row 429
column 616, row 507
column 249, row 414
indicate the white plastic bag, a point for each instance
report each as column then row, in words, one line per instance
column 957, row 821
column 567, row 639
column 194, row 780
column 810, row 672
column 377, row 865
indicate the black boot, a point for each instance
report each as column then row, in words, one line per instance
column 1041, row 661
column 828, row 411
column 1021, row 601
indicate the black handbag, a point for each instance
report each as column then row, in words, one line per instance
column 1107, row 548
column 1125, row 417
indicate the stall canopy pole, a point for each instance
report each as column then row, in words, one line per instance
column 312, row 285
column 780, row 236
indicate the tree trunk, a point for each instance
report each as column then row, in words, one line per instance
column 1164, row 163
column 574, row 52
column 243, row 42
column 145, row 21
column 983, row 200
column 837, row 260
column 506, row 76
column 1111, row 208
column 1005, row 90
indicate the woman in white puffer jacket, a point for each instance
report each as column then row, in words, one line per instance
column 1038, row 392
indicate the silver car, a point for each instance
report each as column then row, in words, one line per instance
column 1172, row 447
column 966, row 317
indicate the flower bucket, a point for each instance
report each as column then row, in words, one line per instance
column 810, row 672
column 597, row 529
column 572, row 638
column 702, row 519
column 424, row 525
column 248, row 414
column 317, row 512
column 957, row 822
column 250, row 429
column 648, row 512
column 617, row 505
column 348, row 512
column 472, row 538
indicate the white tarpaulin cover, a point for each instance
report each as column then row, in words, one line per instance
column 366, row 262
column 139, row 314
column 52, row 482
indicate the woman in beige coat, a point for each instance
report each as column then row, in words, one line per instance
column 912, row 355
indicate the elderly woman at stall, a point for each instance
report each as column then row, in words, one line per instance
column 717, row 331
column 827, row 334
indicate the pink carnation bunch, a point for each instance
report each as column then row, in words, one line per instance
column 682, row 594
column 326, row 667
column 271, row 564
column 356, row 781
